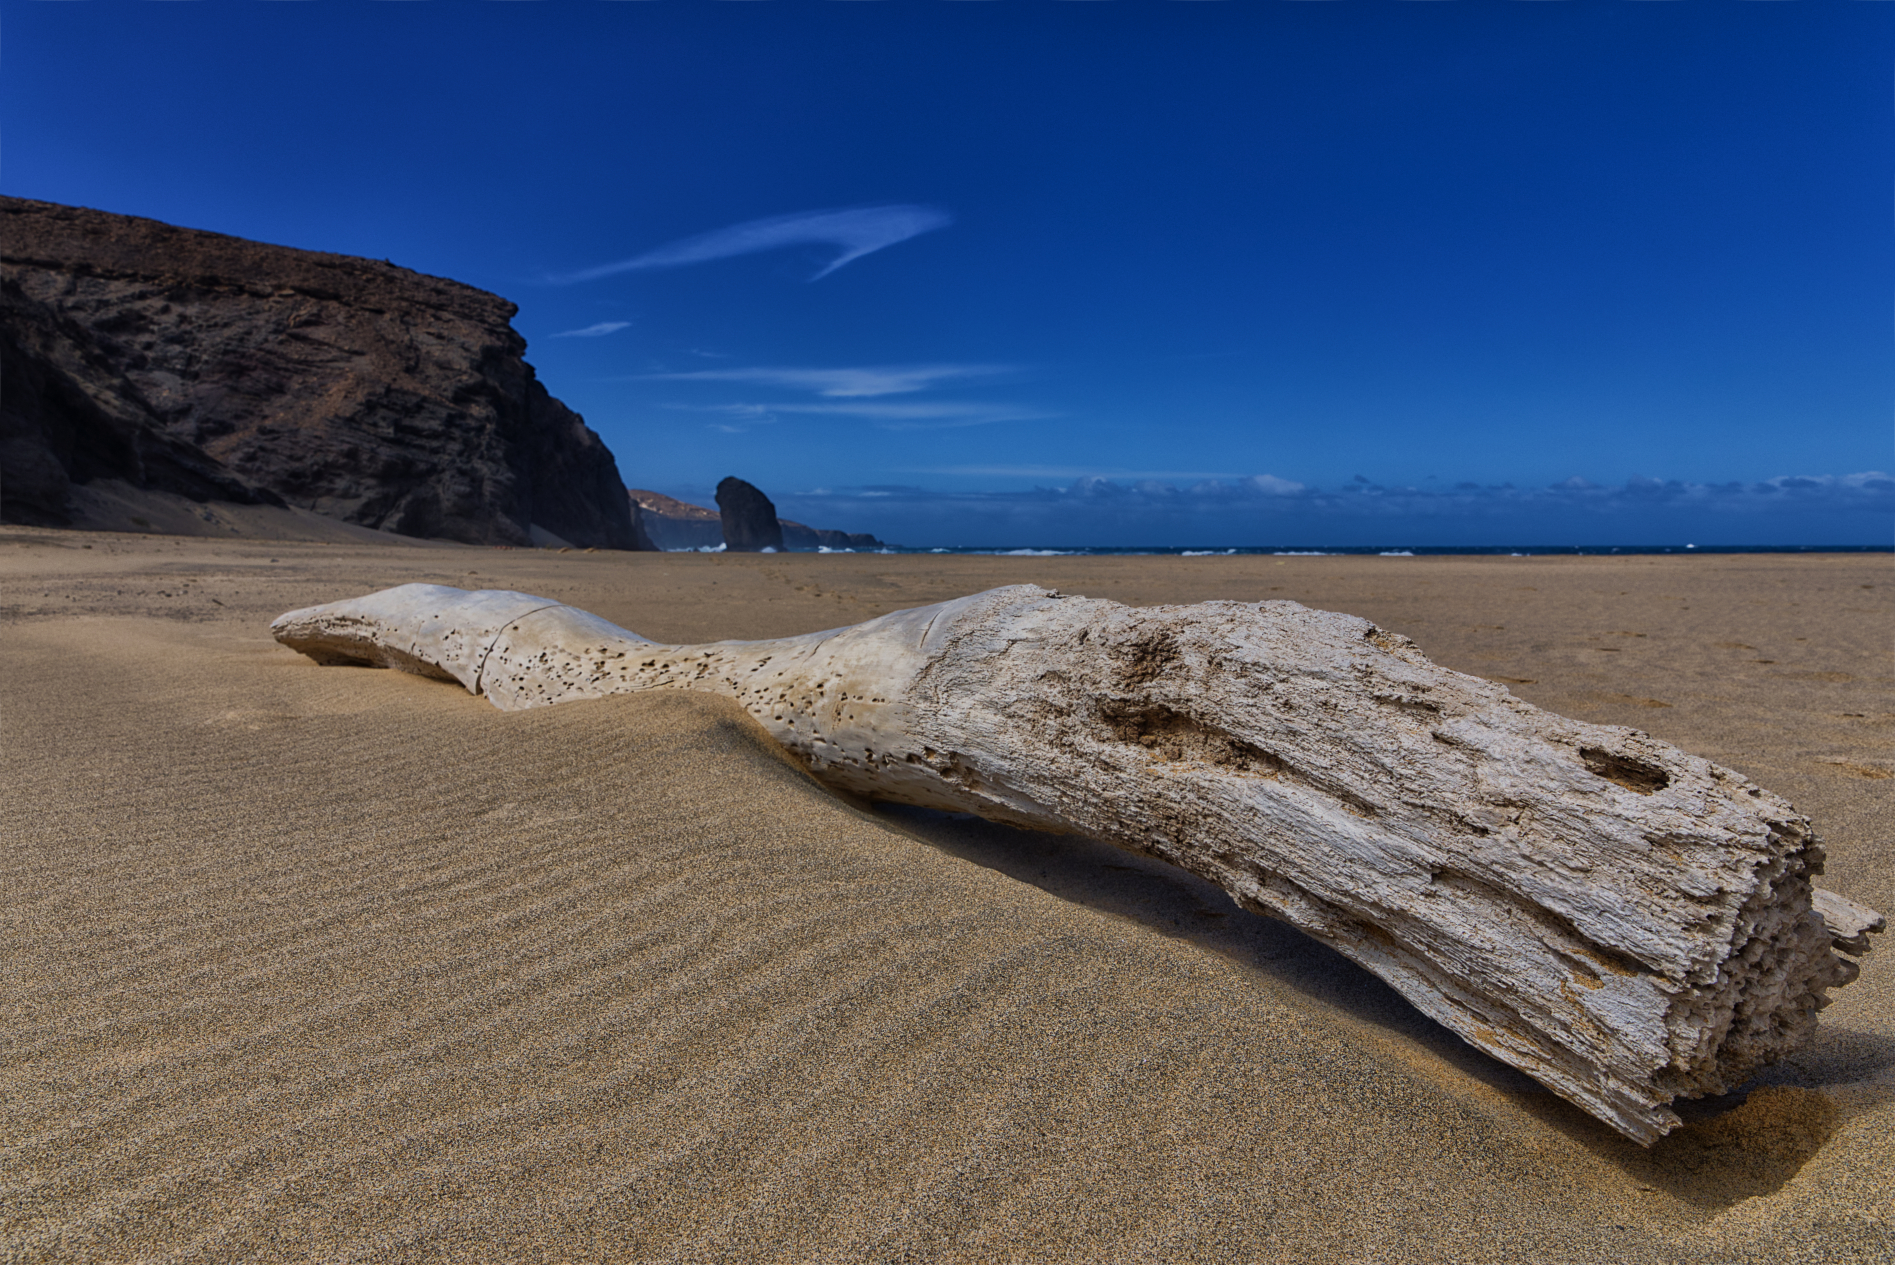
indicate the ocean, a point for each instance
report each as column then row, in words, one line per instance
column 1384, row 551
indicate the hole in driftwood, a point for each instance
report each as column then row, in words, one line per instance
column 1633, row 775
column 1173, row 735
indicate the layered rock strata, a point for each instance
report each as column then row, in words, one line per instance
column 174, row 360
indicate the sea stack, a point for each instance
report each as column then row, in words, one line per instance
column 675, row 524
column 159, row 360
column 750, row 523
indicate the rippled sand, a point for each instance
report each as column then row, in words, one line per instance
column 336, row 964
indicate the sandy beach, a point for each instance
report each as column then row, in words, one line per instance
column 337, row 964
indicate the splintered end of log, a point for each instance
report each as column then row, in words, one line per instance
column 1625, row 922
column 1849, row 925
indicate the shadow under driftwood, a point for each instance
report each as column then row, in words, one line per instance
column 1733, row 1147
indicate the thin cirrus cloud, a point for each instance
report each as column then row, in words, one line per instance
column 1089, row 473
column 842, row 383
column 856, row 392
column 1851, row 503
column 854, row 232
column 944, row 415
column 594, row 331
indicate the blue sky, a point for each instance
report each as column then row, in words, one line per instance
column 1134, row 272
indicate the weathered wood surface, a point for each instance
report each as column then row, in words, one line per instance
column 1623, row 921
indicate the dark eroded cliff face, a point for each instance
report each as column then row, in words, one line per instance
column 224, row 369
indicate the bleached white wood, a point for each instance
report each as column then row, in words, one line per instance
column 1623, row 921
column 1850, row 925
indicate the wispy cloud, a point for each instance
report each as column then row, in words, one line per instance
column 734, row 419
column 760, row 412
column 1870, row 490
column 1152, row 492
column 594, row 331
column 1092, row 473
column 943, row 415
column 1153, row 508
column 842, row 383
column 854, row 232
column 857, row 391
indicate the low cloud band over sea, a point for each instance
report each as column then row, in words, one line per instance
column 1264, row 511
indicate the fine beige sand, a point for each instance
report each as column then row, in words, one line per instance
column 334, row 964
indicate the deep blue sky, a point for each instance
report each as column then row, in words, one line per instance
column 1392, row 256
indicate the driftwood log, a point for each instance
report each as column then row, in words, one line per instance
column 1625, row 922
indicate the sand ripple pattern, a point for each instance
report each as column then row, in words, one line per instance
column 339, row 965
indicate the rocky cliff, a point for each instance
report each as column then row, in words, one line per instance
column 187, row 362
column 675, row 524
column 798, row 536
column 750, row 524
